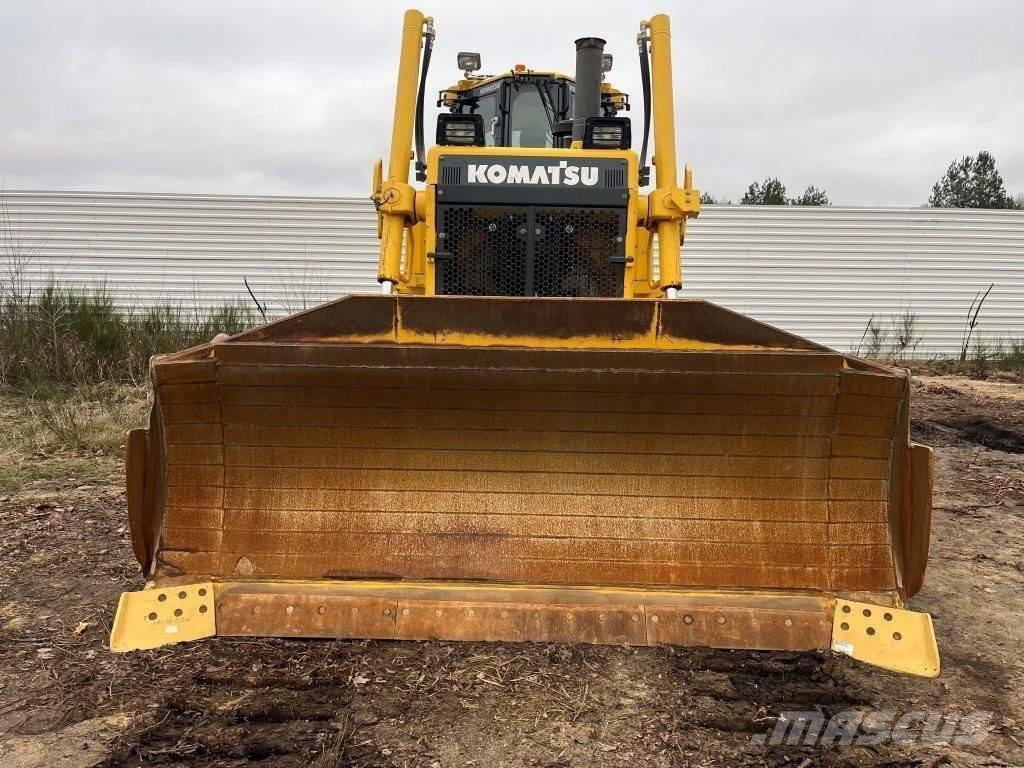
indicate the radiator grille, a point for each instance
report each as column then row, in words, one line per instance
column 573, row 255
column 530, row 251
column 487, row 248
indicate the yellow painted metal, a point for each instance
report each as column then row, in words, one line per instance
column 652, row 336
column 428, row 278
column 467, row 84
column 375, row 189
column 449, row 97
column 664, row 145
column 155, row 617
column 415, row 258
column 396, row 199
column 892, row 638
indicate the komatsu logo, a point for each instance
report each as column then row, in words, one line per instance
column 562, row 173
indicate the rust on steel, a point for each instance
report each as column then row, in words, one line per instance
column 476, row 612
column 645, row 444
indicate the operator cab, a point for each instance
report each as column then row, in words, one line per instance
column 520, row 108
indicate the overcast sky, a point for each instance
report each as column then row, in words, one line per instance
column 870, row 100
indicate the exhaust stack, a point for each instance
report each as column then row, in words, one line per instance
column 587, row 103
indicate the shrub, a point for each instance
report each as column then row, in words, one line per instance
column 67, row 336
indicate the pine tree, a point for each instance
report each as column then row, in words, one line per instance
column 971, row 182
column 771, row 192
column 706, row 198
column 811, row 196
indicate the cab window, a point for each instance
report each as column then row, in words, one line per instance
column 529, row 120
column 487, row 107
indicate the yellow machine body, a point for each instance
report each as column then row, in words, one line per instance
column 620, row 469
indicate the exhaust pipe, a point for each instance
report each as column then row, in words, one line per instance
column 588, row 83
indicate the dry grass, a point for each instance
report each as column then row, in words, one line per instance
column 60, row 429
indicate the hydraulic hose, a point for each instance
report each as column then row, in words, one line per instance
column 645, row 80
column 421, row 147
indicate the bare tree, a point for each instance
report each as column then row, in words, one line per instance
column 906, row 335
column 19, row 246
column 307, row 283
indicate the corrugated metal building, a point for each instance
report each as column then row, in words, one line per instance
column 819, row 272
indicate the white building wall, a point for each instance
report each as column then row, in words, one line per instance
column 819, row 272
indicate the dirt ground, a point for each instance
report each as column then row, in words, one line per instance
column 66, row 701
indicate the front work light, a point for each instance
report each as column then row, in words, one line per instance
column 468, row 61
column 607, row 133
column 455, row 130
column 606, row 62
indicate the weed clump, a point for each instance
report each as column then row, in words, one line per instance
column 64, row 336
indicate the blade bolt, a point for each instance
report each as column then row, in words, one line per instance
column 618, row 238
column 569, row 229
column 492, row 227
column 536, row 231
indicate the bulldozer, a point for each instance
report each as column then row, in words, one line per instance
column 529, row 434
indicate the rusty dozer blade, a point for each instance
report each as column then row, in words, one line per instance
column 495, row 461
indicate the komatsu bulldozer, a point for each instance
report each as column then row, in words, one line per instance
column 529, row 434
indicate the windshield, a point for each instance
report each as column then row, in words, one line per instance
column 530, row 121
